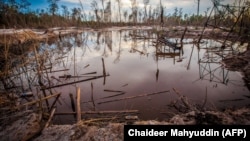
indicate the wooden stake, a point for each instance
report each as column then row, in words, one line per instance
column 72, row 102
column 92, row 95
column 78, row 105
column 104, row 72
column 188, row 66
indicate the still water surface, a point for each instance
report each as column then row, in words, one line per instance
column 135, row 67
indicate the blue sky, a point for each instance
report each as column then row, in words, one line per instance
column 188, row 6
column 43, row 4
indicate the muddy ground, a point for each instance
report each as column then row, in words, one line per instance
column 240, row 63
column 29, row 125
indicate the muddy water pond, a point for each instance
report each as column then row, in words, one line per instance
column 140, row 75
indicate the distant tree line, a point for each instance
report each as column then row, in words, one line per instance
column 19, row 15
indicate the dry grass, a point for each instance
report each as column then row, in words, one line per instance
column 17, row 37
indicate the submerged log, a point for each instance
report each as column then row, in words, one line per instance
column 131, row 97
column 113, row 95
column 89, row 73
column 58, row 70
column 86, row 66
column 100, row 112
column 72, row 76
column 124, row 85
column 70, row 83
column 26, row 94
column 107, row 90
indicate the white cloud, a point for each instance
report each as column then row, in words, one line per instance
column 72, row 1
column 188, row 6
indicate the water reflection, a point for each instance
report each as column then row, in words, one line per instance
column 127, row 66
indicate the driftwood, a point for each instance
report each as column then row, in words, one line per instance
column 131, row 97
column 89, row 73
column 107, row 90
column 36, row 101
column 58, row 70
column 57, row 97
column 70, row 83
column 50, row 118
column 231, row 100
column 113, row 95
column 86, row 66
column 124, row 85
column 92, row 99
column 72, row 76
column 100, row 112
